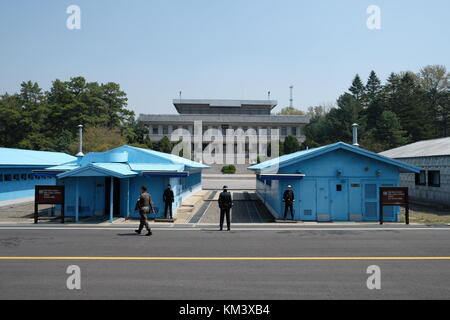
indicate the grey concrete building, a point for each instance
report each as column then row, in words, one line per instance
column 223, row 115
column 432, row 185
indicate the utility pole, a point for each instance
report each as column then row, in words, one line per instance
column 80, row 129
column 291, row 100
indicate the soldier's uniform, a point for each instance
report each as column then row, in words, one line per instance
column 288, row 198
column 145, row 205
column 225, row 205
column 168, row 198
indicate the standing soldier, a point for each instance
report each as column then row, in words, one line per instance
column 288, row 199
column 225, row 205
column 144, row 205
column 168, row 198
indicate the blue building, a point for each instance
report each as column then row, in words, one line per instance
column 337, row 182
column 17, row 180
column 107, row 184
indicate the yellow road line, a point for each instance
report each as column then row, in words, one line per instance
column 226, row 258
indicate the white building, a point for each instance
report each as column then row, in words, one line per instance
column 249, row 115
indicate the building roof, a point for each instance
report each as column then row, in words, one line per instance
column 125, row 161
column 226, row 103
column 426, row 148
column 23, row 158
column 274, row 164
column 225, row 119
column 118, row 170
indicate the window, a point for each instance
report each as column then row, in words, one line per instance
column 434, row 178
column 294, row 131
column 174, row 128
column 283, row 131
column 30, row 176
column 16, row 177
column 421, row 178
column 155, row 130
column 339, row 187
column 165, row 129
column 225, row 128
column 1, row 178
column 8, row 177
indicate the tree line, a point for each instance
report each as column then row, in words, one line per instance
column 408, row 107
column 47, row 120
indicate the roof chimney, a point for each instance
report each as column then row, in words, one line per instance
column 80, row 153
column 355, row 134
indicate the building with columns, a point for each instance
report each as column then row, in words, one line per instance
column 223, row 115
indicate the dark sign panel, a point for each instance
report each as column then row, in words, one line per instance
column 50, row 194
column 394, row 196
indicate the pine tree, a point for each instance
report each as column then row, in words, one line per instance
column 389, row 131
column 373, row 88
column 373, row 100
column 357, row 88
column 291, row 144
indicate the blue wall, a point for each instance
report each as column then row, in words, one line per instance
column 325, row 195
column 92, row 198
column 16, row 183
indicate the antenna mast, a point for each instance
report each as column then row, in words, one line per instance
column 291, row 100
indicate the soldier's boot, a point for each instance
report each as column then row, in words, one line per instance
column 149, row 233
column 137, row 231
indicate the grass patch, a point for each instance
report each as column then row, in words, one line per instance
column 427, row 215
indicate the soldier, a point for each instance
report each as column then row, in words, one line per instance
column 288, row 199
column 225, row 205
column 145, row 205
column 168, row 198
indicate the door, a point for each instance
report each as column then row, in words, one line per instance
column 307, row 201
column 116, row 196
column 323, row 202
column 339, row 200
column 370, row 208
column 107, row 195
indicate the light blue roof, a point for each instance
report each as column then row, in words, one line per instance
column 170, row 157
column 311, row 153
column 125, row 161
column 30, row 158
column 118, row 170
column 157, row 167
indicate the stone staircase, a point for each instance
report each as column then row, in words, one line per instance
column 191, row 205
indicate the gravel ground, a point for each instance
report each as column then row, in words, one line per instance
column 21, row 212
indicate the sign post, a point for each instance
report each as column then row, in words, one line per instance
column 394, row 196
column 48, row 195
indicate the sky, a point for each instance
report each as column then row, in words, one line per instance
column 211, row 49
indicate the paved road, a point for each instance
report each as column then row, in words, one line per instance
column 246, row 209
column 232, row 183
column 225, row 279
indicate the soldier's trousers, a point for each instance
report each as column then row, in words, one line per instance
column 168, row 207
column 223, row 213
column 289, row 206
column 143, row 222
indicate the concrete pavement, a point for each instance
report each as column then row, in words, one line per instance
column 267, row 278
